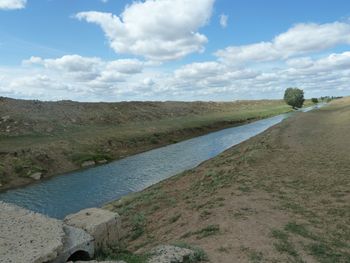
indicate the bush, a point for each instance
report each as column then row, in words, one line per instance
column 294, row 97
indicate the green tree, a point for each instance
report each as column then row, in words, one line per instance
column 294, row 97
column 314, row 100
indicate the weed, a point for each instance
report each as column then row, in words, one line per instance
column 174, row 218
column 223, row 249
column 116, row 253
column 205, row 214
column 284, row 245
column 297, row 229
column 207, row 231
column 204, row 232
column 244, row 189
column 138, row 224
column 326, row 254
column 255, row 256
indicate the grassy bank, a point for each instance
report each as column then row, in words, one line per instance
column 56, row 137
column 282, row 196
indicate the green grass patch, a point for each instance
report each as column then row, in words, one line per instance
column 138, row 226
column 255, row 256
column 285, row 246
column 325, row 254
column 121, row 254
column 204, row 232
column 298, row 229
column 207, row 231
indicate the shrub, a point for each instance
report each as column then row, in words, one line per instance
column 314, row 100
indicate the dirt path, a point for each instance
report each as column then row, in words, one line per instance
column 282, row 196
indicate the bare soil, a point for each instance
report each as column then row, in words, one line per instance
column 282, row 196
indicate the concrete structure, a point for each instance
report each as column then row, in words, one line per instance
column 103, row 225
column 77, row 245
column 28, row 237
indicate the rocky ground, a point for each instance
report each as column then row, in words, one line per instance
column 282, row 196
column 41, row 139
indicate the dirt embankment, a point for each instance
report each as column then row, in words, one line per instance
column 282, row 196
column 40, row 139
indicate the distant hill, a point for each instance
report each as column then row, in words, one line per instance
column 20, row 117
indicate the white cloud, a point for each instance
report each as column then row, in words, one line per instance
column 155, row 29
column 12, row 4
column 298, row 40
column 126, row 66
column 223, row 20
column 331, row 63
column 68, row 63
column 77, row 75
column 131, row 79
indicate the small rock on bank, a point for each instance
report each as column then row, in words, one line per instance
column 36, row 176
column 88, row 164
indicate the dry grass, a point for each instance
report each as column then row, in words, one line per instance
column 282, row 196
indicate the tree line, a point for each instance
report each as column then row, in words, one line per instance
column 295, row 98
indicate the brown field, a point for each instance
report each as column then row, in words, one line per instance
column 282, row 196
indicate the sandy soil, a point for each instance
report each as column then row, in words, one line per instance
column 282, row 196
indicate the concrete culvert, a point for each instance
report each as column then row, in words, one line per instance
column 79, row 256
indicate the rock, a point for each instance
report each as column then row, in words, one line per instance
column 5, row 118
column 170, row 254
column 103, row 161
column 103, row 225
column 88, row 164
column 36, row 176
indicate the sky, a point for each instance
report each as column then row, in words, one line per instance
column 222, row 50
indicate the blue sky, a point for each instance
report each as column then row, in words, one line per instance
column 75, row 49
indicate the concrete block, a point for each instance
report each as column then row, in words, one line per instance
column 102, row 225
